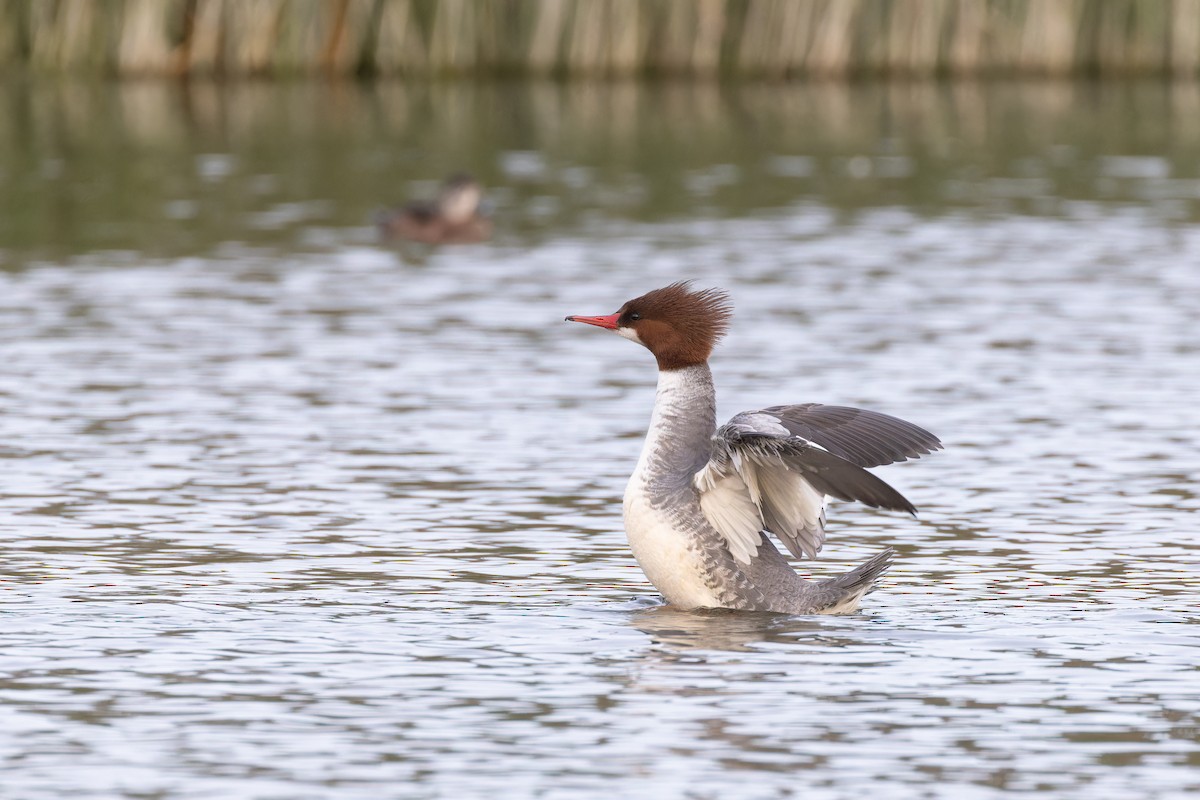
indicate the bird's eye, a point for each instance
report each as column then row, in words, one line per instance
column 634, row 316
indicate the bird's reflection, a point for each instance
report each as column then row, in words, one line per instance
column 722, row 629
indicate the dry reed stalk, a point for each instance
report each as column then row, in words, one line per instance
column 753, row 43
column 1185, row 37
column 584, row 43
column 250, row 28
column 899, row 40
column 399, row 48
column 1005, row 24
column 204, row 43
column 45, row 36
column 772, row 38
column 545, row 43
column 833, row 38
column 795, row 38
column 452, row 45
column 626, row 52
column 86, row 37
column 69, row 35
column 1048, row 39
column 872, row 38
column 12, row 26
column 914, row 33
column 1148, row 42
column 144, row 46
column 671, row 51
column 497, row 33
column 710, row 28
column 349, row 37
column 967, row 37
column 933, row 34
column 294, row 39
column 301, row 35
column 1107, row 28
column 1111, row 30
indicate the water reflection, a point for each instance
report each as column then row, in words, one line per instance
column 171, row 168
column 717, row 629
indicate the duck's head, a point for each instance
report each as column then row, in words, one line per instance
column 459, row 199
column 676, row 323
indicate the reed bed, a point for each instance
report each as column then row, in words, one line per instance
column 758, row 38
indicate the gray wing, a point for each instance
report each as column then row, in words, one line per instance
column 763, row 474
column 867, row 438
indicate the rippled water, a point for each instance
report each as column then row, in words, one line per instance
column 311, row 516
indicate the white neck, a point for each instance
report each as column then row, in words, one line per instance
column 681, row 427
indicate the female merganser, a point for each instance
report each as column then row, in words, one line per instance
column 701, row 497
column 454, row 218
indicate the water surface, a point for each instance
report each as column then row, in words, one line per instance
column 288, row 512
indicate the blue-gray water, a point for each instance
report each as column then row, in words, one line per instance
column 288, row 512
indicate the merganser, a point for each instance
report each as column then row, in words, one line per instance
column 701, row 497
column 454, row 218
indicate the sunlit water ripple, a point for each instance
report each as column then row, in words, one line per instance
column 301, row 526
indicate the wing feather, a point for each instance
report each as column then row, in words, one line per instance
column 866, row 438
column 729, row 509
column 793, row 510
column 775, row 470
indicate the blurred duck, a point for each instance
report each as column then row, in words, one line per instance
column 454, row 217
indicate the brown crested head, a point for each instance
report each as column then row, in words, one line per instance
column 680, row 325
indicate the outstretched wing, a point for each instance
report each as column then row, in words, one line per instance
column 775, row 469
column 867, row 438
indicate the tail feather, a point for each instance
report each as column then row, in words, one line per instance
column 846, row 590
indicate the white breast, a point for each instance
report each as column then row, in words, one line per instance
column 666, row 552
column 663, row 552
